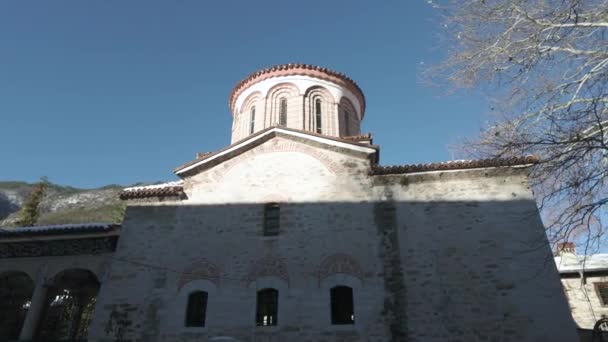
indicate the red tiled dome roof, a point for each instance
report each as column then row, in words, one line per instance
column 292, row 69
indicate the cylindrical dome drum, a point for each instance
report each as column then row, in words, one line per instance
column 298, row 96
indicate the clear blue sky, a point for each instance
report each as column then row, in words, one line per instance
column 99, row 92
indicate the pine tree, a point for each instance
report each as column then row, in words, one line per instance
column 29, row 213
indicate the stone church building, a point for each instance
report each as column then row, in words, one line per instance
column 295, row 232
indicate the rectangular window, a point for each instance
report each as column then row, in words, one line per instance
column 272, row 219
column 342, row 306
column 267, row 308
column 197, row 309
column 602, row 292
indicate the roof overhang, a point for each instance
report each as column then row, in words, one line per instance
column 454, row 165
column 169, row 189
column 59, row 232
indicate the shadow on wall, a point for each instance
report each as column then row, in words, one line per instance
column 471, row 268
column 16, row 290
column 68, row 305
column 483, row 267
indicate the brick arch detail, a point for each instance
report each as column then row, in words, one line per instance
column 298, row 69
column 251, row 99
column 76, row 270
column 285, row 89
column 321, row 90
column 340, row 263
column 346, row 103
column 328, row 109
column 241, row 120
column 269, row 266
column 283, row 86
column 273, row 147
column 201, row 269
column 9, row 272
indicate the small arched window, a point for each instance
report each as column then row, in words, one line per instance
column 267, row 308
column 196, row 310
column 346, row 123
column 318, row 119
column 283, row 111
column 342, row 306
column 252, row 120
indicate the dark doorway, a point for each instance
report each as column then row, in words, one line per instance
column 16, row 289
column 69, row 306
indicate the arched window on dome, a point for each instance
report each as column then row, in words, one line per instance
column 349, row 121
column 283, row 112
column 318, row 120
column 320, row 111
column 252, row 120
column 346, row 121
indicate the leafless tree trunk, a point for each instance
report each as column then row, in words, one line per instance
column 547, row 62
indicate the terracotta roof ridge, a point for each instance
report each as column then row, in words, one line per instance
column 174, row 188
column 454, row 165
column 154, row 186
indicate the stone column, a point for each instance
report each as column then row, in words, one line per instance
column 32, row 318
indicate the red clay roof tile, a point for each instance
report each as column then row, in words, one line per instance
column 158, row 190
column 453, row 165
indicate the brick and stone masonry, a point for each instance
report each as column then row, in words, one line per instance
column 438, row 252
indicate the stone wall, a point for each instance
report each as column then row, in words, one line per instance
column 436, row 256
column 585, row 303
column 475, row 259
column 192, row 241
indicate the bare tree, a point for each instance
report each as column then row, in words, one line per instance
column 547, row 64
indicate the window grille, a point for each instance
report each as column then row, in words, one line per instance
column 267, row 307
column 272, row 219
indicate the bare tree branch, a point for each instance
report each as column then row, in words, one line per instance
column 547, row 63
